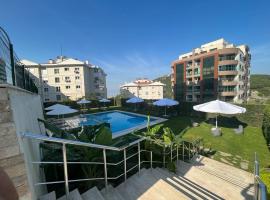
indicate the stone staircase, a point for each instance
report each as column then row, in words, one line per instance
column 201, row 179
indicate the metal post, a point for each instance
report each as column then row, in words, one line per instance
column 139, row 157
column 64, row 151
column 177, row 153
column 183, row 149
column 171, row 152
column 151, row 159
column 105, row 168
column 125, row 164
column 164, row 156
column 13, row 70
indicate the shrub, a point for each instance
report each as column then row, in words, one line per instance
column 266, row 124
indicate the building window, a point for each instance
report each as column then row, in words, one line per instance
column 77, row 69
column 56, row 71
column 57, row 79
column 45, row 81
column 146, row 93
column 227, row 68
column 67, row 79
column 67, row 87
column 46, row 89
column 227, row 57
column 47, row 99
column 77, row 77
column 58, row 97
column 66, row 69
column 58, row 89
column 78, row 86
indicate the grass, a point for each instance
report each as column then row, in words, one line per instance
column 236, row 150
column 265, row 176
column 230, row 148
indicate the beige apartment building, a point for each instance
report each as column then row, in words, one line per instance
column 67, row 78
column 216, row 70
column 143, row 88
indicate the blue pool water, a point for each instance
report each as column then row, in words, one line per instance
column 119, row 121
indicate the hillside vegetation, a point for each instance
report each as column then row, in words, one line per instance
column 167, row 90
column 260, row 83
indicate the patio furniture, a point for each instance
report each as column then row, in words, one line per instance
column 135, row 100
column 83, row 102
column 216, row 131
column 195, row 124
column 219, row 107
column 239, row 130
column 165, row 103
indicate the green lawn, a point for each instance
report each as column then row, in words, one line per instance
column 236, row 150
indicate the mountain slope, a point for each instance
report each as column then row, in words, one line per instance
column 260, row 83
column 167, row 90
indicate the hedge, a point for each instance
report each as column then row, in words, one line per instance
column 266, row 123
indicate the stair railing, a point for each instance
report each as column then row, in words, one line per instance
column 260, row 190
column 173, row 147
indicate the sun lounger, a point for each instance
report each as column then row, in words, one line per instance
column 239, row 130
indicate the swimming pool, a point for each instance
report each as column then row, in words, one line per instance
column 121, row 122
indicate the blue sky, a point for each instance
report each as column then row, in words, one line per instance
column 134, row 38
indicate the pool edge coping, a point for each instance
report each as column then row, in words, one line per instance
column 137, row 128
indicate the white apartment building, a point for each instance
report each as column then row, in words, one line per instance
column 143, row 88
column 67, row 78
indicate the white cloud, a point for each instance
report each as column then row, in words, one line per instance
column 130, row 67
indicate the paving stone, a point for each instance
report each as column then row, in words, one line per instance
column 15, row 171
column 8, row 140
column 11, row 161
column 4, row 106
column 7, row 129
column 225, row 161
column 6, row 117
column 4, row 94
column 9, row 151
column 224, row 154
column 244, row 165
column 237, row 156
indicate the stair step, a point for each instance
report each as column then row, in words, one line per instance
column 92, row 194
column 167, row 189
column 73, row 195
column 186, row 187
column 111, row 193
column 243, row 180
column 48, row 196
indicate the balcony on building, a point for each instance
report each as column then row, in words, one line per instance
column 226, row 70
column 189, row 89
column 197, row 63
column 188, row 64
column 227, row 80
column 227, row 90
column 189, row 98
column 197, row 89
column 197, row 72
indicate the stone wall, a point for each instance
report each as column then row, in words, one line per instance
column 16, row 154
column 11, row 159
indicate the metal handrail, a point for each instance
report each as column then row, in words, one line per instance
column 260, row 190
column 64, row 142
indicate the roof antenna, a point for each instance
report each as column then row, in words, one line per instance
column 61, row 51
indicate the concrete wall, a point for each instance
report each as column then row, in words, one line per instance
column 19, row 110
